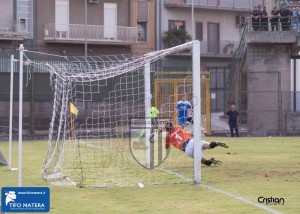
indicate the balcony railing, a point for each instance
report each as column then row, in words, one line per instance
column 14, row 30
column 246, row 5
column 94, row 33
column 274, row 24
column 219, row 48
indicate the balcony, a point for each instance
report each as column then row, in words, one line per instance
column 14, row 30
column 96, row 34
column 235, row 5
column 220, row 49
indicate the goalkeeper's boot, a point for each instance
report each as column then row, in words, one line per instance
column 222, row 144
column 215, row 162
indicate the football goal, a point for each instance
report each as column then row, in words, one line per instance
column 101, row 132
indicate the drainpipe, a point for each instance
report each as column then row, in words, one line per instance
column 85, row 29
column 158, row 25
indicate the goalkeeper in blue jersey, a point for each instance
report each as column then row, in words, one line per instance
column 183, row 109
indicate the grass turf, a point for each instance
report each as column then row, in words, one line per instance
column 252, row 167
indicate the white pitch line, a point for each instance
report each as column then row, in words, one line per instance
column 240, row 198
column 245, row 200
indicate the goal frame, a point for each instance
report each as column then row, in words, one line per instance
column 197, row 111
column 150, row 58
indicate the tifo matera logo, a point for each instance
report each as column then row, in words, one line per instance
column 10, row 197
column 25, row 199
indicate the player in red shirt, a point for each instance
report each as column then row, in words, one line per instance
column 182, row 140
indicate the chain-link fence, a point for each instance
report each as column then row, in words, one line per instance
column 37, row 104
column 263, row 106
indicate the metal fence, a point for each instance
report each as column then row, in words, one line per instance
column 265, row 108
column 224, row 4
column 94, row 32
column 276, row 113
column 37, row 105
column 275, row 116
column 274, row 24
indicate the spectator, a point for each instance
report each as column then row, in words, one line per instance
column 285, row 18
column 275, row 19
column 298, row 18
column 255, row 15
column 294, row 18
column 264, row 19
column 233, row 117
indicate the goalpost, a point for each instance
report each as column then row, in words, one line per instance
column 100, row 131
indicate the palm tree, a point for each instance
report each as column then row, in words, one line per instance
column 176, row 36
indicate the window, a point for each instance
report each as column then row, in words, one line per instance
column 213, row 37
column 142, row 10
column 199, row 31
column 142, row 31
column 142, row 20
column 110, row 20
column 176, row 24
column 61, row 18
column 24, row 16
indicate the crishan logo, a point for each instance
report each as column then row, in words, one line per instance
column 10, row 197
column 270, row 200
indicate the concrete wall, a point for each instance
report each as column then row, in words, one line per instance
column 293, row 121
column 6, row 10
column 267, row 78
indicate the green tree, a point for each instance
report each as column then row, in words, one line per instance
column 176, row 36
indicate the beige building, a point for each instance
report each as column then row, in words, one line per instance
column 218, row 24
column 58, row 27
column 66, row 27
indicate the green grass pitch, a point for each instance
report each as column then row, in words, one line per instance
column 252, row 168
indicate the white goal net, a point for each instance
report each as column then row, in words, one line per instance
column 100, row 132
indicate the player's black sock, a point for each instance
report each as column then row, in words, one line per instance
column 212, row 145
column 207, row 162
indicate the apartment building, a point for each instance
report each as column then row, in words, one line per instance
column 217, row 24
column 16, row 22
column 65, row 26
column 70, row 28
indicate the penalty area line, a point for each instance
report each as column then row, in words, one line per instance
column 237, row 197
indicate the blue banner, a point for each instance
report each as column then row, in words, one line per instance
column 25, row 199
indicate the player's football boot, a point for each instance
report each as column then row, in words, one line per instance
column 222, row 144
column 215, row 162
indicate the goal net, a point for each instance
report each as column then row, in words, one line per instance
column 101, row 132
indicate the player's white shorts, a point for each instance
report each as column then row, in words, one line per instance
column 189, row 150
